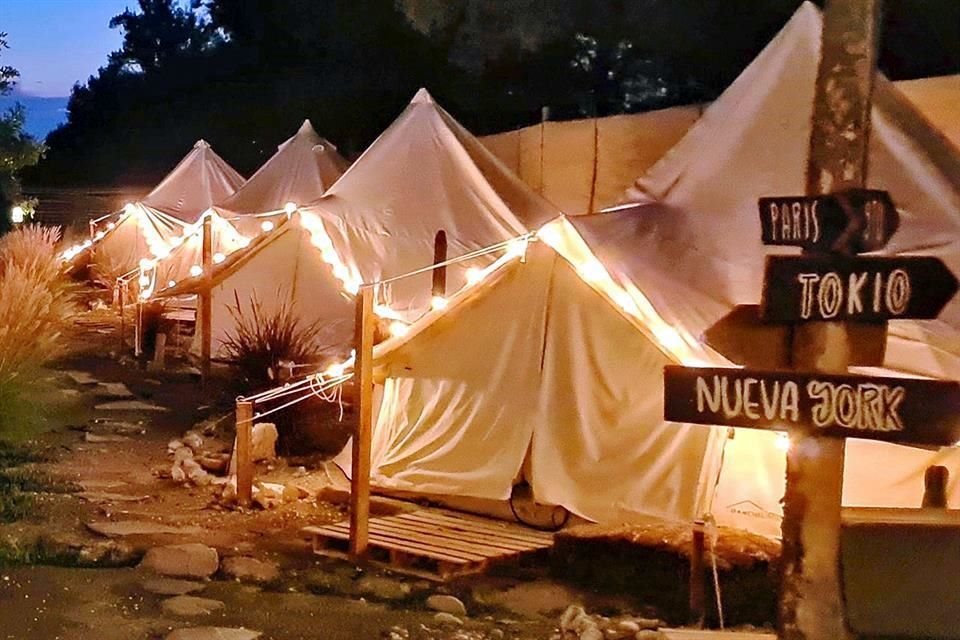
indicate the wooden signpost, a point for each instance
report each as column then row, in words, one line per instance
column 817, row 293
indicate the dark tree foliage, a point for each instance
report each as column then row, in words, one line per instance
column 17, row 148
column 243, row 73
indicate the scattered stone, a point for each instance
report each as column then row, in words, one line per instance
column 192, row 560
column 70, row 392
column 94, row 438
column 81, row 378
column 174, row 445
column 649, row 634
column 648, row 623
column 246, row 569
column 213, row 633
column 496, row 634
column 446, row 604
column 129, row 405
column 190, row 606
column 379, row 588
column 263, row 441
column 447, row 619
column 628, row 626
column 127, row 428
column 172, row 586
column 528, row 598
column 113, row 390
column 267, row 494
column 110, row 529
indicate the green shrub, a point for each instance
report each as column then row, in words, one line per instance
column 260, row 340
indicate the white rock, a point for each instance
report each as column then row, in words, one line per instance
column 445, row 618
column 114, row 390
column 628, row 626
column 213, row 633
column 193, row 440
column 192, row 560
column 446, row 604
column 263, row 441
column 570, row 616
column 190, row 606
column 177, row 473
column 173, row 445
column 591, row 633
column 181, row 454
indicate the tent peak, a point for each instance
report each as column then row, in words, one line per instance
column 422, row 97
column 201, row 144
column 306, row 127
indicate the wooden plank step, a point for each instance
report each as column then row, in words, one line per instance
column 440, row 533
column 446, row 543
column 385, row 538
column 507, row 532
column 401, row 545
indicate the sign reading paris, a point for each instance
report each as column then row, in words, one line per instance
column 862, row 289
column 847, row 222
column 907, row 410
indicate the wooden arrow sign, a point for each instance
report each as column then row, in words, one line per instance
column 848, row 222
column 904, row 410
column 863, row 289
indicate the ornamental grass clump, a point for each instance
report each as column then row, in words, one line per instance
column 261, row 339
column 35, row 305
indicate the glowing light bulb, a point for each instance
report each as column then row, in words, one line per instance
column 144, row 294
column 146, row 264
column 290, row 207
column 474, row 275
column 266, row 225
column 161, row 251
column 196, row 270
column 335, row 370
column 438, row 303
column 219, row 257
column 111, row 226
column 243, row 242
column 172, row 283
column 144, row 281
column 17, row 214
column 87, row 244
column 129, row 208
column 99, row 235
column 398, row 329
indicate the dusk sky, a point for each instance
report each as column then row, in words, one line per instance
column 55, row 43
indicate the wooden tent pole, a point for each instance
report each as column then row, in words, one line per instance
column 811, row 603
column 360, row 468
column 244, row 462
column 439, row 287
column 205, row 300
column 120, row 296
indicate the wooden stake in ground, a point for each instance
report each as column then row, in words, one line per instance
column 205, row 299
column 244, row 462
column 360, row 459
column 811, row 600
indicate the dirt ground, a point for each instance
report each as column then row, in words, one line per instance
column 59, row 579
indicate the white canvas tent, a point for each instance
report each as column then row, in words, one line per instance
column 143, row 230
column 281, row 267
column 424, row 174
column 198, row 182
column 301, row 170
column 551, row 370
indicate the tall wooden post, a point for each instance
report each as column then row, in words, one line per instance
column 363, row 378
column 244, row 463
column 439, row 287
column 697, row 590
column 205, row 300
column 811, row 599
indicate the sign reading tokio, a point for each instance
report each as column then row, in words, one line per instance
column 849, row 221
column 907, row 410
column 804, row 288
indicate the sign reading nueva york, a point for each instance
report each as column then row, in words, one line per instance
column 906, row 410
column 864, row 289
column 849, row 221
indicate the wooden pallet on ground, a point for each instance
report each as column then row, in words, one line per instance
column 433, row 543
